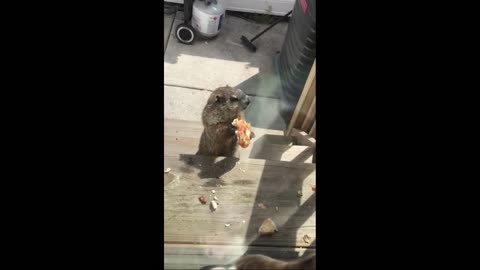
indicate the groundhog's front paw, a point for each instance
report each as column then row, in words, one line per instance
column 231, row 129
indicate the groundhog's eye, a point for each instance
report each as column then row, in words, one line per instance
column 220, row 99
column 233, row 98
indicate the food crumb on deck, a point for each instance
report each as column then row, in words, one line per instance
column 306, row 238
column 202, row 199
column 213, row 205
column 268, row 227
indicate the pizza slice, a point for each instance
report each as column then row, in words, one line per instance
column 243, row 132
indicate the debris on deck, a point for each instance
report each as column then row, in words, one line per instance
column 213, row 205
column 307, row 238
column 202, row 199
column 263, row 206
column 239, row 206
column 268, row 227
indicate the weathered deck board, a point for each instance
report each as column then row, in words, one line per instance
column 308, row 92
column 182, row 137
column 194, row 129
column 241, row 187
column 292, row 153
column 303, row 138
column 187, row 256
column 181, row 145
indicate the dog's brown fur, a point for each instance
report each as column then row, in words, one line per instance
column 261, row 262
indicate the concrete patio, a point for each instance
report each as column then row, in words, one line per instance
column 192, row 72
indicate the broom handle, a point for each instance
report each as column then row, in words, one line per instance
column 272, row 25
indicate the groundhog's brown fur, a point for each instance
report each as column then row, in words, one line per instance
column 223, row 106
column 261, row 262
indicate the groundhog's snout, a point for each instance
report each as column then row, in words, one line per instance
column 244, row 98
column 247, row 100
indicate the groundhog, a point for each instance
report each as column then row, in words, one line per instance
column 223, row 106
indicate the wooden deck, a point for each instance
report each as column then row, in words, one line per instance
column 196, row 237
